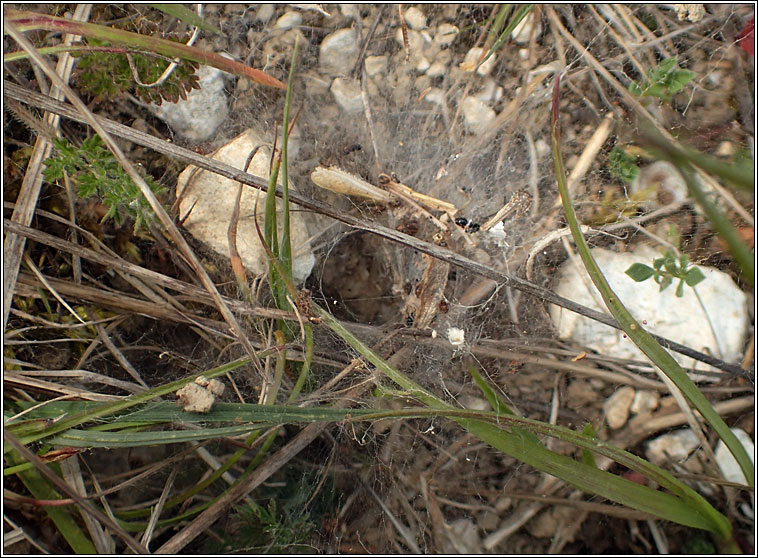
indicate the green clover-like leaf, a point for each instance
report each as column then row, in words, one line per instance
column 694, row 276
column 640, row 272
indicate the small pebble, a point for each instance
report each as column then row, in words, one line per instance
column 338, row 52
column 265, row 12
column 199, row 115
column 472, row 59
column 415, row 18
column 675, row 446
column 645, row 401
column 489, row 93
column 437, row 69
column 289, row 20
column 728, row 465
column 435, row 95
column 347, row 94
column 617, row 407
column 523, row 30
column 477, row 115
column 350, row 10
column 375, row 65
column 446, row 34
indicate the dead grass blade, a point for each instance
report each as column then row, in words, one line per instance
column 13, row 247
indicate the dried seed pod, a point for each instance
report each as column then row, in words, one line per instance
column 341, row 182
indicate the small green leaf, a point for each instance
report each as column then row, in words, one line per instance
column 666, row 66
column 694, row 276
column 665, row 282
column 684, row 261
column 680, row 288
column 640, row 272
column 622, row 165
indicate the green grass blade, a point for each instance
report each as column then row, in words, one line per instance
column 186, row 15
column 522, row 12
column 62, row 516
column 111, row 408
column 631, row 327
column 98, row 439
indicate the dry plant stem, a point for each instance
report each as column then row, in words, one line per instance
column 167, row 222
column 72, row 474
column 52, row 290
column 643, row 113
column 401, row 529
column 122, row 360
column 588, row 155
column 21, row 380
column 83, row 376
column 444, row 254
column 369, row 118
column 13, row 246
column 158, row 509
column 83, row 504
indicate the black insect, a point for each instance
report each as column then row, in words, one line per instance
column 466, row 225
column 350, row 148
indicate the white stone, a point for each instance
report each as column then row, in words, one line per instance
column 477, row 115
column 422, row 64
column 663, row 313
column 338, row 52
column 472, row 59
column 435, row 95
column 463, row 536
column 437, row 69
column 489, row 93
column 288, row 20
column 415, row 41
column 727, row 463
column 375, row 65
column 474, row 403
column 672, row 447
column 446, row 34
column 347, row 94
column 264, row 13
column 213, row 197
column 660, row 177
column 617, row 407
column 350, row 10
column 645, row 401
column 199, row 116
column 415, row 18
column 523, row 30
